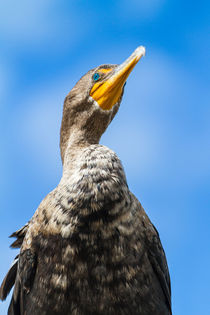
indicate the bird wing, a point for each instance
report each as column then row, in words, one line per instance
column 10, row 277
column 158, row 262
column 9, row 280
column 26, row 269
column 156, row 254
column 19, row 234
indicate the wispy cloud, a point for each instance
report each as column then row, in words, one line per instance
column 37, row 121
column 39, row 22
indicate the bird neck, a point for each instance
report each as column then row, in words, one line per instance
column 77, row 141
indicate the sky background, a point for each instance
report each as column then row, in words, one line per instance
column 161, row 132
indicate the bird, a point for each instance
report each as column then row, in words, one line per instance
column 90, row 247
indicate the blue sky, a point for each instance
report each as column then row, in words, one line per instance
column 161, row 132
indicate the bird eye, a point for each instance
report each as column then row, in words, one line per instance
column 96, row 76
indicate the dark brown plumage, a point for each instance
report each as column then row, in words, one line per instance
column 90, row 247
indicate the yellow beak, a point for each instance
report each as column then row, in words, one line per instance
column 107, row 93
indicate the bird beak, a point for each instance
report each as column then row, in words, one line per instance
column 107, row 93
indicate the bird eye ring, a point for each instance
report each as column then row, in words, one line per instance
column 96, row 76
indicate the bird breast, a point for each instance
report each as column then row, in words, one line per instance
column 93, row 194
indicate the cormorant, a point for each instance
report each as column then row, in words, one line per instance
column 90, row 247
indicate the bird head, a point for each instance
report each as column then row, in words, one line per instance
column 94, row 100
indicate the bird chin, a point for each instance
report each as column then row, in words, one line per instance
column 98, row 107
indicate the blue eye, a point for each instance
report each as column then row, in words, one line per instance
column 96, row 76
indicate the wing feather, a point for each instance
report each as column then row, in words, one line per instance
column 9, row 280
column 158, row 261
column 10, row 277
